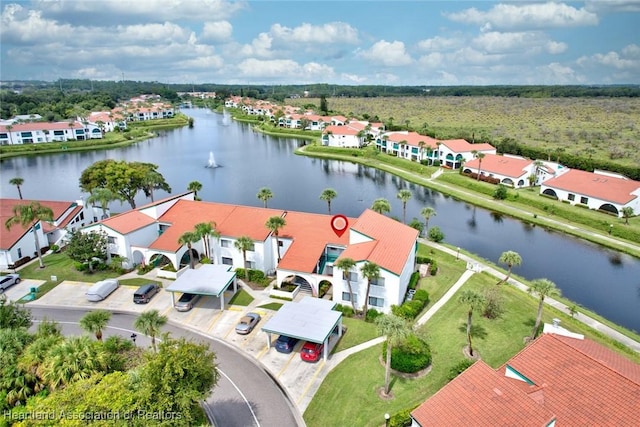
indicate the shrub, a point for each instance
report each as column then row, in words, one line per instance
column 436, row 234
column 422, row 296
column 346, row 310
column 410, row 356
column 169, row 267
column 408, row 310
column 55, row 248
column 494, row 306
column 205, row 260
column 423, row 260
column 401, row 419
column 436, row 163
column 413, row 281
column 500, row 192
column 372, row 314
column 459, row 368
column 144, row 269
column 433, row 269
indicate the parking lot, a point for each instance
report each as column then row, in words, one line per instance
column 299, row 378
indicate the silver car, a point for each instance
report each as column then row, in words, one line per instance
column 247, row 323
column 186, row 302
column 9, row 280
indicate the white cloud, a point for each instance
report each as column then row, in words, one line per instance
column 438, row 43
column 612, row 6
column 555, row 48
column 432, row 60
column 151, row 33
column 524, row 42
column 555, row 73
column 391, row 54
column 353, row 78
column 260, row 46
column 284, row 70
column 329, row 33
column 631, row 51
column 217, row 31
column 20, row 25
column 524, row 16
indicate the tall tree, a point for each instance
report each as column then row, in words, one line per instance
column 102, row 196
column 346, row 264
column 328, row 194
column 627, row 212
column 149, row 323
column 244, row 244
column 194, row 186
column 542, row 288
column 478, row 155
column 275, row 224
column 371, row 272
column 206, row 230
column 473, row 301
column 29, row 216
column 427, row 213
column 324, row 107
column 510, row 258
column 404, row 195
column 381, row 206
column 153, row 180
column 395, row 329
column 83, row 247
column 71, row 360
column 187, row 238
column 95, row 321
column 264, row 194
column 17, row 181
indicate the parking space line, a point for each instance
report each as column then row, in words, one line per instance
column 310, row 383
column 263, row 351
column 193, row 311
column 293, row 353
column 164, row 313
column 214, row 321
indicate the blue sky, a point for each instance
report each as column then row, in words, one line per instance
column 336, row 42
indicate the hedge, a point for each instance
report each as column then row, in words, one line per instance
column 410, row 356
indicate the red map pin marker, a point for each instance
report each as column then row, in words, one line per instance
column 339, row 224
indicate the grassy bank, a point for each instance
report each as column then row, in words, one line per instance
column 471, row 191
column 136, row 132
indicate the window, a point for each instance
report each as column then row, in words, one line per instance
column 225, row 243
column 81, row 215
column 250, row 264
column 4, row 136
column 353, row 277
column 227, row 261
column 58, row 132
column 19, row 253
column 584, row 200
column 378, row 282
column 111, row 240
column 376, row 302
column 571, row 197
column 346, row 296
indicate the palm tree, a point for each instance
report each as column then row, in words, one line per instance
column 427, row 213
column 510, row 258
column 149, row 323
column 244, row 244
column 9, row 129
column 264, row 194
column 371, row 271
column 381, row 206
column 474, row 301
column 28, row 216
column 194, row 186
column 187, row 238
column 478, row 155
column 404, row 195
column 17, row 181
column 95, row 321
column 204, row 231
column 627, row 212
column 154, row 181
column 420, row 150
column 71, row 360
column 102, row 196
column 328, row 194
column 275, row 223
column 346, row 264
column 395, row 329
column 542, row 288
column 537, row 166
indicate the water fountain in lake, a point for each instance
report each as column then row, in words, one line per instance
column 212, row 161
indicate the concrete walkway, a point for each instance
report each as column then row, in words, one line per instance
column 446, row 297
column 593, row 323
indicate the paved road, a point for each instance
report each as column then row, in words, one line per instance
column 245, row 395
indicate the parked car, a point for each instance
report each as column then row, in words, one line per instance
column 187, row 301
column 247, row 323
column 311, row 351
column 145, row 292
column 285, row 344
column 9, row 280
column 102, row 289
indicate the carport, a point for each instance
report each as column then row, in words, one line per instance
column 209, row 279
column 311, row 319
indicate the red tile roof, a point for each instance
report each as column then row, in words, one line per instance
column 412, row 138
column 502, row 165
column 340, row 130
column 35, row 126
column 580, row 382
column 481, row 397
column 128, row 222
column 603, row 187
column 464, row 146
column 395, row 240
column 8, row 238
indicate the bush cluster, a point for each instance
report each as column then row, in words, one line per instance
column 459, row 368
column 485, row 178
column 372, row 314
column 411, row 309
column 410, row 356
column 255, row 276
column 423, row 260
column 346, row 310
column 433, row 268
column 413, row 281
column 436, row 234
column 401, row 419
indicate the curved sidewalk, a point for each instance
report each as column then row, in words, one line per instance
column 593, row 323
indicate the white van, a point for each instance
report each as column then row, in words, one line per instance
column 102, row 289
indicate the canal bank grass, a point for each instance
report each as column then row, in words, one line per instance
column 515, row 210
column 355, row 382
column 136, row 133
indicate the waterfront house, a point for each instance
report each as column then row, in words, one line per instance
column 303, row 252
column 18, row 243
column 453, row 153
column 514, row 171
column 560, row 379
column 343, row 136
column 42, row 132
column 408, row 145
column 599, row 190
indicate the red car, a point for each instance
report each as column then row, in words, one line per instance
column 311, row 352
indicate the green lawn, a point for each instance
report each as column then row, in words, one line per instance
column 275, row 306
column 358, row 331
column 354, row 383
column 449, row 271
column 242, row 298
